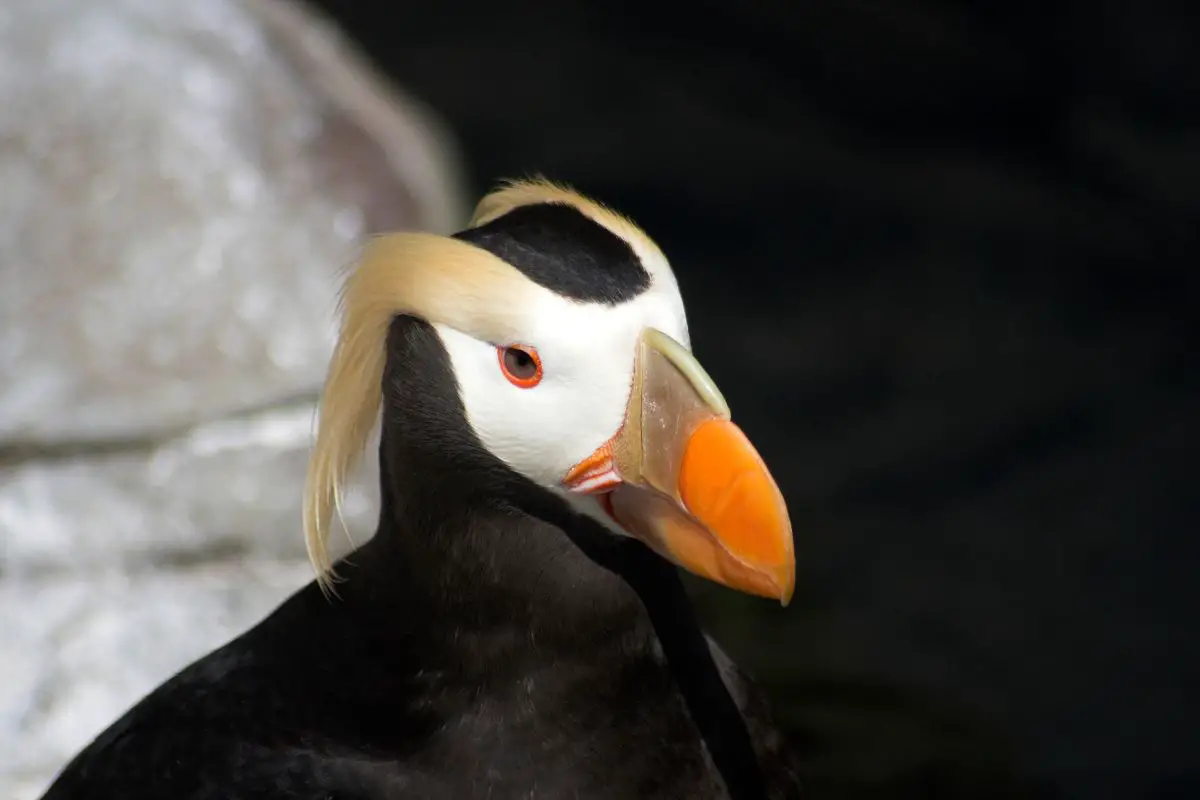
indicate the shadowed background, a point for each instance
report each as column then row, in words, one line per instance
column 942, row 261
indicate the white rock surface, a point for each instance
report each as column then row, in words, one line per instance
column 76, row 654
column 177, row 197
column 226, row 489
column 179, row 185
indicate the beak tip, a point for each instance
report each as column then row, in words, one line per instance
column 786, row 584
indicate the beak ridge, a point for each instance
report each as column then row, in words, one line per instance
column 688, row 482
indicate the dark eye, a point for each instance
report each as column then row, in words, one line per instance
column 521, row 365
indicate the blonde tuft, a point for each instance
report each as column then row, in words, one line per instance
column 435, row 278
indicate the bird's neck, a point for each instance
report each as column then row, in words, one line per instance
column 504, row 568
column 457, row 533
column 513, row 584
column 450, row 539
column 506, row 565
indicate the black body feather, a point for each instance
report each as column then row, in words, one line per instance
column 486, row 643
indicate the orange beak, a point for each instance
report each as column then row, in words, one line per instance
column 684, row 479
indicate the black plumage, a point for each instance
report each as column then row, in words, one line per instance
column 561, row 248
column 487, row 642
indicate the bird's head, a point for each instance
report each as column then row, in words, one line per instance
column 566, row 335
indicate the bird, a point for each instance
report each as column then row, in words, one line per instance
column 551, row 456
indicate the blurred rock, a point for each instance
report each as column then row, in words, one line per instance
column 76, row 654
column 181, row 183
column 230, row 488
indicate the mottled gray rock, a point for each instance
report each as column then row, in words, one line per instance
column 179, row 191
column 76, row 654
column 229, row 488
column 179, row 185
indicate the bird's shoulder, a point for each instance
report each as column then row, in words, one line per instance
column 777, row 756
column 318, row 710
column 257, row 717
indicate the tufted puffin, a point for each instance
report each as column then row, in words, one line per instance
column 550, row 454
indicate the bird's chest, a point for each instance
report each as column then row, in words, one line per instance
column 573, row 731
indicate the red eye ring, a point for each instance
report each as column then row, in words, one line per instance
column 521, row 365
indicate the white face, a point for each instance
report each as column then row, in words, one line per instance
column 587, row 353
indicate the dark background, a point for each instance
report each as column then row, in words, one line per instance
column 941, row 258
